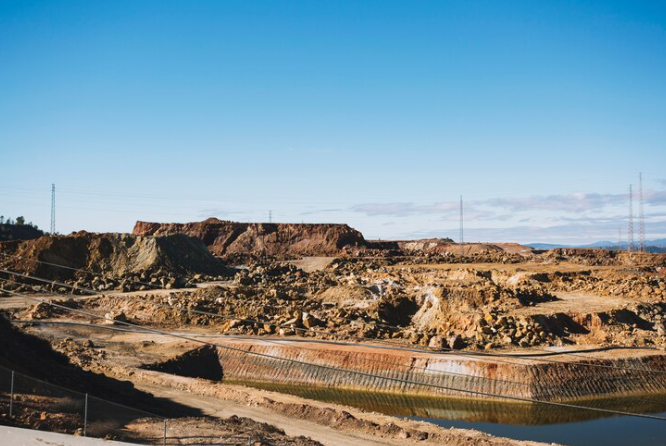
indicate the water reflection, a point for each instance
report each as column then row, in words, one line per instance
column 482, row 411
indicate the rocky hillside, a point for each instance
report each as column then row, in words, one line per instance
column 225, row 238
column 114, row 255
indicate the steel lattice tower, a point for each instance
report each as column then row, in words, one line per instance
column 461, row 221
column 53, row 215
column 630, row 226
column 641, row 215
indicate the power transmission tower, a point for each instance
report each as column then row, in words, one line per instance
column 630, row 226
column 641, row 216
column 270, row 216
column 53, row 227
column 461, row 220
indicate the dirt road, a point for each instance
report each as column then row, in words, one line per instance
column 357, row 428
column 576, row 302
column 216, row 407
column 13, row 302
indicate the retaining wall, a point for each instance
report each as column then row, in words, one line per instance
column 400, row 372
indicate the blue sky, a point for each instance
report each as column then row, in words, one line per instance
column 379, row 114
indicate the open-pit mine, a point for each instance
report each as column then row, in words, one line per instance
column 310, row 334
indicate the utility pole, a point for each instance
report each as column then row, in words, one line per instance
column 641, row 215
column 461, row 221
column 630, row 224
column 53, row 215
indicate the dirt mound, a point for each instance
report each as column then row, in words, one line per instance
column 447, row 246
column 113, row 255
column 225, row 238
column 202, row 362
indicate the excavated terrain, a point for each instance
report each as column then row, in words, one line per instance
column 40, row 405
column 425, row 319
column 110, row 261
column 527, row 308
column 464, row 306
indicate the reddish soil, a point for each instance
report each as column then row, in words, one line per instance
column 225, row 238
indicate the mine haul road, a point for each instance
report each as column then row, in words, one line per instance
column 14, row 302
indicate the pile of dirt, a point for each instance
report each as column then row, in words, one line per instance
column 202, row 362
column 112, row 257
column 447, row 246
column 225, row 238
column 207, row 431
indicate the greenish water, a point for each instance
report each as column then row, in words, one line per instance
column 525, row 421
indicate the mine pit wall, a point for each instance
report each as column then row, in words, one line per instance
column 387, row 373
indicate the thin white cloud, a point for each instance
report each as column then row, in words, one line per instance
column 576, row 202
column 567, row 203
column 571, row 233
column 404, row 209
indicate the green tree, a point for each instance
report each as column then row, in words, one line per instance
column 20, row 220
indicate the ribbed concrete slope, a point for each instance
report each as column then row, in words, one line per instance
column 390, row 371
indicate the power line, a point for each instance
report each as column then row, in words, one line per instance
column 461, row 221
column 641, row 215
column 321, row 341
column 53, row 209
column 337, row 369
column 345, row 336
column 630, row 223
column 509, row 359
column 506, row 359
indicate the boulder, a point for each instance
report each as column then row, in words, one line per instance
column 456, row 342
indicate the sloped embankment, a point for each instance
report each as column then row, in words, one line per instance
column 113, row 255
column 34, row 357
column 396, row 372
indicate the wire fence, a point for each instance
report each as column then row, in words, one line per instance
column 32, row 403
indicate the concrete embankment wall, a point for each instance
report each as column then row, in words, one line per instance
column 387, row 371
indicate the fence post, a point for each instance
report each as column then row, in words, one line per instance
column 85, row 417
column 11, row 397
column 164, row 441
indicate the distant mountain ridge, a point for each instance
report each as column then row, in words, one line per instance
column 658, row 245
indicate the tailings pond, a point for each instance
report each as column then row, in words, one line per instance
column 522, row 421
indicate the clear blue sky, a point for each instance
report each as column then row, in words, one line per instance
column 379, row 114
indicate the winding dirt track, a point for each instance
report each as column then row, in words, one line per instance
column 13, row 302
column 216, row 407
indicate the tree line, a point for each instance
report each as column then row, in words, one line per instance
column 20, row 221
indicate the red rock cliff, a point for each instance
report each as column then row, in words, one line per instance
column 227, row 237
